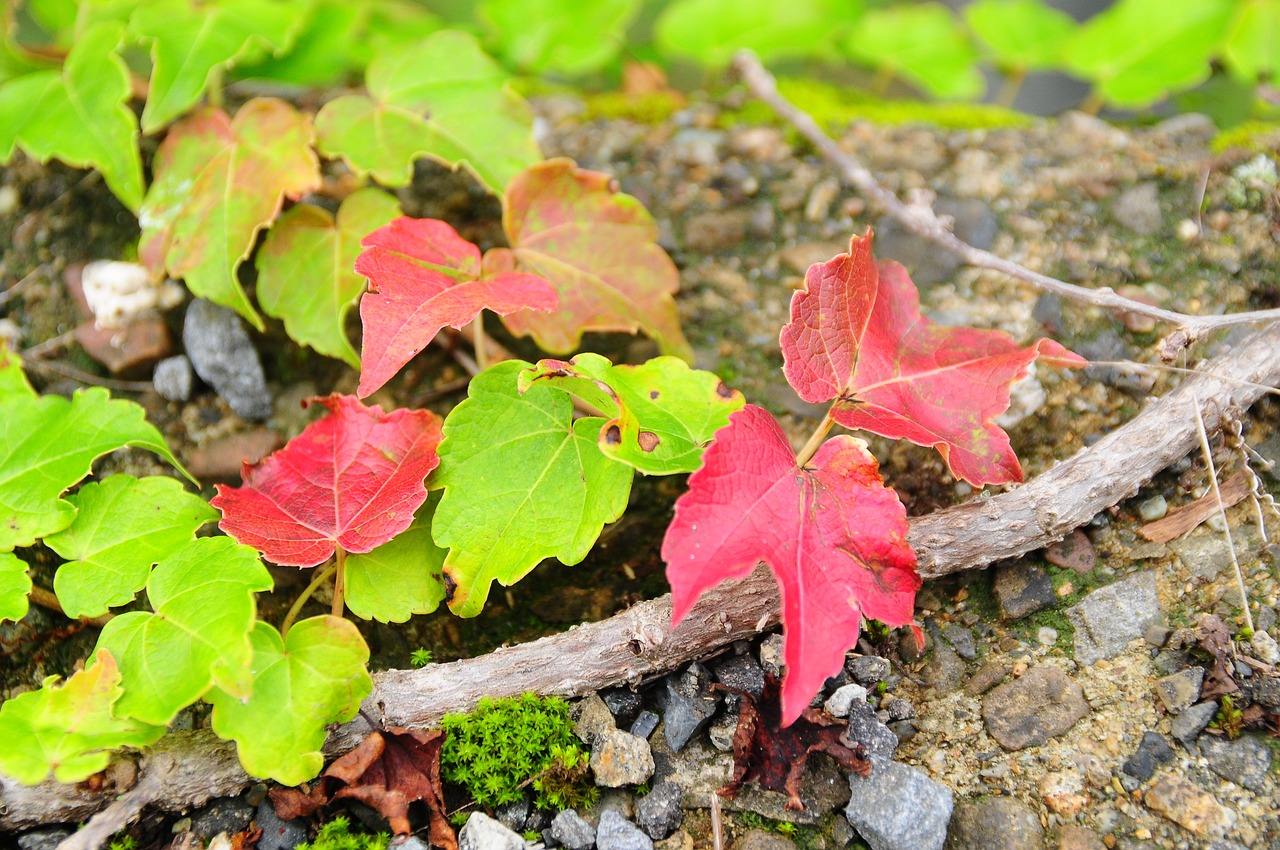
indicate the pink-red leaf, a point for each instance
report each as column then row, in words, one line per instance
column 423, row 276
column 352, row 479
column 833, row 534
column 856, row 336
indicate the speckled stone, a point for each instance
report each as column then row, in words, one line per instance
column 997, row 823
column 1184, row 803
column 1109, row 618
column 1043, row 703
column 1021, row 590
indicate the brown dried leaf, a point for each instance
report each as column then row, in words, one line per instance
column 1216, row 640
column 1183, row 518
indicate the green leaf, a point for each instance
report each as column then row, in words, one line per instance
column 313, row 677
column 474, row 119
column 218, row 182
column 663, row 414
column 1137, row 51
column 553, row 35
column 122, row 527
column 198, row 636
column 68, row 729
column 711, row 31
column 1253, row 42
column 306, row 269
column 15, row 586
column 924, row 44
column 13, row 382
column 400, row 578
column 190, row 42
column 522, row 482
column 80, row 115
column 1023, row 34
column 48, row 443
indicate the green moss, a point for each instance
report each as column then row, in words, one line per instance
column 337, row 835
column 1251, row 136
column 803, row 837
column 653, row 108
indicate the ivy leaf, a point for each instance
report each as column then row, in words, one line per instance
column 189, row 43
column 305, row 274
column 522, row 482
column 351, row 479
column 473, row 118
column 711, row 31
column 400, row 578
column 1137, row 51
column 218, row 181
column 15, row 586
column 1253, row 43
column 198, row 637
column 856, row 336
column 423, row 276
column 49, row 443
column 663, row 414
column 551, row 35
column 80, row 114
column 831, row 532
column 68, row 729
column 123, row 525
column 922, row 43
column 1023, row 34
column 312, row 677
column 599, row 248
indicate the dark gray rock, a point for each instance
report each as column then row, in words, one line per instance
column 1244, row 761
column 570, row 830
column 617, row 833
column 1179, row 690
column 482, row 832
column 904, row 730
column 1265, row 691
column 513, row 815
column 1043, row 703
column 1023, row 589
column 1109, row 618
column 619, row 758
column 944, row 669
column 868, row 669
column 867, row 729
column 173, row 378
column 645, row 723
column 278, row 834
column 1188, row 725
column 997, row 823
column 229, row 815
column 742, row 672
column 961, row 639
column 1157, row 634
column 659, row 813
column 1153, row 751
column 43, row 839
column 224, row 357
column 898, row 807
column 687, row 704
column 900, row 709
column 624, row 703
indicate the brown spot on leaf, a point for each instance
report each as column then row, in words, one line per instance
column 653, row 394
column 613, row 435
column 648, row 440
column 723, row 391
column 450, row 588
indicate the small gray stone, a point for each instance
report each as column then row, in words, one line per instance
column 900, row 709
column 1043, row 703
column 619, row 758
column 278, row 834
column 1244, row 761
column 1023, row 589
column 997, row 823
column 868, row 669
column 865, row 728
column 1157, row 634
column 173, row 379
column 837, row 705
column 591, row 717
column 962, row 639
column 413, row 842
column 512, row 815
column 659, row 813
column 224, row 357
column 570, row 830
column 617, row 833
column 482, row 832
column 1138, row 209
column 1188, row 725
column 1153, row 751
column 1264, row 690
column 721, row 731
column 1153, row 509
column 624, row 703
column 771, row 655
column 1179, row 690
column 645, row 723
column 991, row 674
column 898, row 807
column 944, row 669
column 43, row 839
column 1109, row 618
column 687, row 704
column 742, row 672
column 229, row 815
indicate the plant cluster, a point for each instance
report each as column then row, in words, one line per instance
column 337, row 835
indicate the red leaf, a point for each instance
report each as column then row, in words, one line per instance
column 833, row 534
column 423, row 276
column 856, row 335
column 352, row 479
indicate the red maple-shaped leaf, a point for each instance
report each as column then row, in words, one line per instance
column 352, row 479
column 423, row 276
column 833, row 534
column 856, row 336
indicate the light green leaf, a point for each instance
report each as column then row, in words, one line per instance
column 198, row 636
column 924, row 44
column 711, row 31
column 1023, row 34
column 1137, row 51
column 306, row 269
column 400, row 578
column 553, row 35
column 68, row 729
column 189, row 43
column 79, row 115
column 218, row 182
column 473, row 118
column 313, row 677
column 48, row 443
column 663, row 414
column 13, row 382
column 15, row 586
column 122, row 527
column 522, row 482
column 1253, row 41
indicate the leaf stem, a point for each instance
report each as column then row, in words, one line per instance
column 296, row 608
column 47, row 599
column 216, row 94
column 1010, row 87
column 340, row 584
column 478, row 340
column 811, row 447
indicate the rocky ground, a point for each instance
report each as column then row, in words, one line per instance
column 1070, row 699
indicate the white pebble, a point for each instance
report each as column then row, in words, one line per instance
column 120, row 292
column 10, row 200
column 1153, row 508
column 1264, row 646
column 1188, row 230
column 1047, row 636
column 839, row 703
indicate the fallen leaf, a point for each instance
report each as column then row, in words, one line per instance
column 1213, row 637
column 1183, row 518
